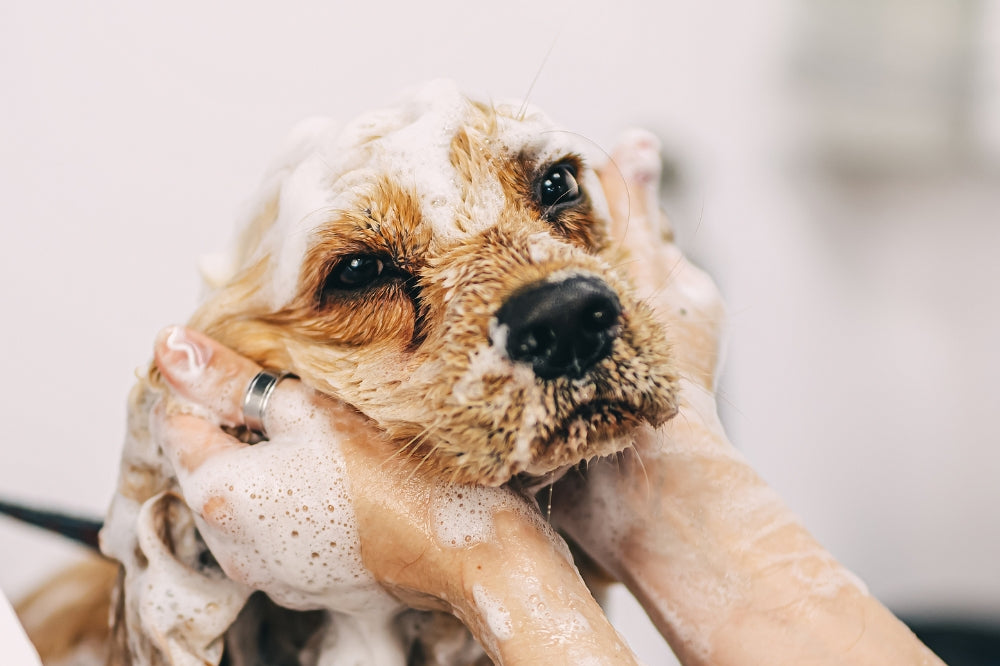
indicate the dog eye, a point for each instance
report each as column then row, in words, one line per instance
column 558, row 187
column 355, row 271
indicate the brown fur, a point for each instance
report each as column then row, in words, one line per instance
column 70, row 610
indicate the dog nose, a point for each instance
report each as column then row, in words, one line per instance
column 561, row 328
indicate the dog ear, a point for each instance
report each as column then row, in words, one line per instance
column 219, row 268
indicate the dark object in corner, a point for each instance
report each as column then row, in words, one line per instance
column 81, row 530
column 960, row 642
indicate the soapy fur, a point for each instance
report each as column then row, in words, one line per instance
column 442, row 190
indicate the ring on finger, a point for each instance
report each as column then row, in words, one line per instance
column 256, row 397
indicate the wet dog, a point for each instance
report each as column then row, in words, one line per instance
column 446, row 267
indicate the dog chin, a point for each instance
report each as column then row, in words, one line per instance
column 592, row 432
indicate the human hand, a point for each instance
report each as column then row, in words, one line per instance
column 324, row 515
column 724, row 569
column 684, row 297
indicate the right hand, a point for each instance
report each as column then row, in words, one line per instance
column 725, row 570
column 684, row 297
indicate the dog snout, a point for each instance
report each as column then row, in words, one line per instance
column 562, row 329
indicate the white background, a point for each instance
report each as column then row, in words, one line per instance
column 863, row 362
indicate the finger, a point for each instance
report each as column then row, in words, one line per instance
column 631, row 182
column 205, row 372
column 190, row 440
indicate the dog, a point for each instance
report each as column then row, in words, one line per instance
column 446, row 267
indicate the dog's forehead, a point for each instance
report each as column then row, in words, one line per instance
column 411, row 145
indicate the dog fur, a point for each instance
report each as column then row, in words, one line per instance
column 439, row 197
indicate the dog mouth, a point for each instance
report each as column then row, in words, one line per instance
column 590, row 429
column 566, row 370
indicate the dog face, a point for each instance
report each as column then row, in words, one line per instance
column 444, row 267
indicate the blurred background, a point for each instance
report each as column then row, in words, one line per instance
column 834, row 163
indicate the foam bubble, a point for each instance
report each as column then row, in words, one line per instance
column 495, row 613
column 463, row 515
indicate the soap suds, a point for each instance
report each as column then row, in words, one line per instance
column 496, row 614
column 462, row 516
column 567, row 627
column 303, row 549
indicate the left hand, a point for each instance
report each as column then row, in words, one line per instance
column 324, row 515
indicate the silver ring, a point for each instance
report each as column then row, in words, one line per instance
column 255, row 399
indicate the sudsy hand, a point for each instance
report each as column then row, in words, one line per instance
column 685, row 297
column 724, row 569
column 323, row 515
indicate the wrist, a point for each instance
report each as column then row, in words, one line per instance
column 525, row 602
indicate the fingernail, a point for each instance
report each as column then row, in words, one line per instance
column 639, row 157
column 183, row 352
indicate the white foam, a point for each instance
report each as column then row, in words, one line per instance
column 462, row 516
column 495, row 613
column 304, row 550
column 196, row 358
column 565, row 627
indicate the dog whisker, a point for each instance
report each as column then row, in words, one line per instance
column 538, row 73
column 427, row 456
column 414, row 443
column 631, row 448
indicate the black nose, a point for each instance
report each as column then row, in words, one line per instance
column 561, row 328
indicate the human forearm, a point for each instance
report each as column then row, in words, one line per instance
column 526, row 603
column 517, row 591
column 729, row 574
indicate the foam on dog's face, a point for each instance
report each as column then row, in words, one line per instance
column 437, row 199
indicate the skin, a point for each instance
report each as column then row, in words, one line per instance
column 726, row 572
